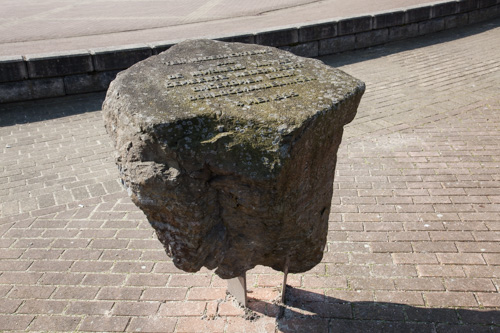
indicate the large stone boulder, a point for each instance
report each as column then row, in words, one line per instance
column 230, row 151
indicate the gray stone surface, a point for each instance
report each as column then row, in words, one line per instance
column 385, row 20
column 418, row 14
column 90, row 82
column 355, row 25
column 337, row 44
column 444, row 9
column 428, row 27
column 308, row 50
column 58, row 64
column 12, row 69
column 13, row 91
column 278, row 37
column 371, row 38
column 404, row 31
column 230, row 151
column 111, row 58
column 317, row 31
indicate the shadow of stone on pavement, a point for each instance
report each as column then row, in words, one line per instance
column 306, row 311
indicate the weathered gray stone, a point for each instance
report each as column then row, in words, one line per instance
column 465, row 6
column 454, row 21
column 59, row 64
column 337, row 44
column 15, row 91
column 371, row 38
column 230, row 151
column 430, row 26
column 418, row 14
column 280, row 37
column 402, row 32
column 308, row 50
column 91, row 82
column 248, row 38
column 354, row 25
column 390, row 19
column 444, row 9
column 12, row 68
column 111, row 58
column 317, row 31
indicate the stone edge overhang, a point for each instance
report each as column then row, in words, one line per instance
column 36, row 76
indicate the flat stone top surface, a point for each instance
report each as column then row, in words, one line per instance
column 44, row 26
column 230, row 80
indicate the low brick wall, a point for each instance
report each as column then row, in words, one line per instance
column 50, row 75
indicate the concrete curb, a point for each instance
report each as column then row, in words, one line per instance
column 49, row 75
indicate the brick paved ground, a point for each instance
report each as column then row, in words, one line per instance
column 414, row 233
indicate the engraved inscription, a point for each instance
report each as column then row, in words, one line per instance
column 228, row 77
column 215, row 57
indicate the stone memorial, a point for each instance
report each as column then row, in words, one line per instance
column 230, row 150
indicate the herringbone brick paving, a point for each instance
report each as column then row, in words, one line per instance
column 414, row 240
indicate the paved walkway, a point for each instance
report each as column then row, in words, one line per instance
column 414, row 240
column 28, row 27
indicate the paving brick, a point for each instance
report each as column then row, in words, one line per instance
column 189, row 325
column 10, row 305
column 461, row 284
column 419, row 284
column 155, row 280
column 75, row 292
column 483, row 247
column 91, row 266
column 104, row 279
column 19, row 278
column 391, row 247
column 482, row 271
column 186, row 309
column 324, row 282
column 461, row 258
column 141, row 308
column 104, row 324
column 371, row 284
column 152, row 325
column 55, row 323
column 15, row 322
column 410, row 298
column 445, row 299
column 190, row 280
column 119, row 293
column 31, row 292
column 488, row 299
column 40, row 306
column 199, row 294
column 432, row 315
column 414, row 258
column 89, row 308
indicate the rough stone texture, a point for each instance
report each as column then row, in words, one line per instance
column 238, row 171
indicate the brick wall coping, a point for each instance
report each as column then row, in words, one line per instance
column 35, row 76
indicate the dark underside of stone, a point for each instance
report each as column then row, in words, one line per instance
column 230, row 151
